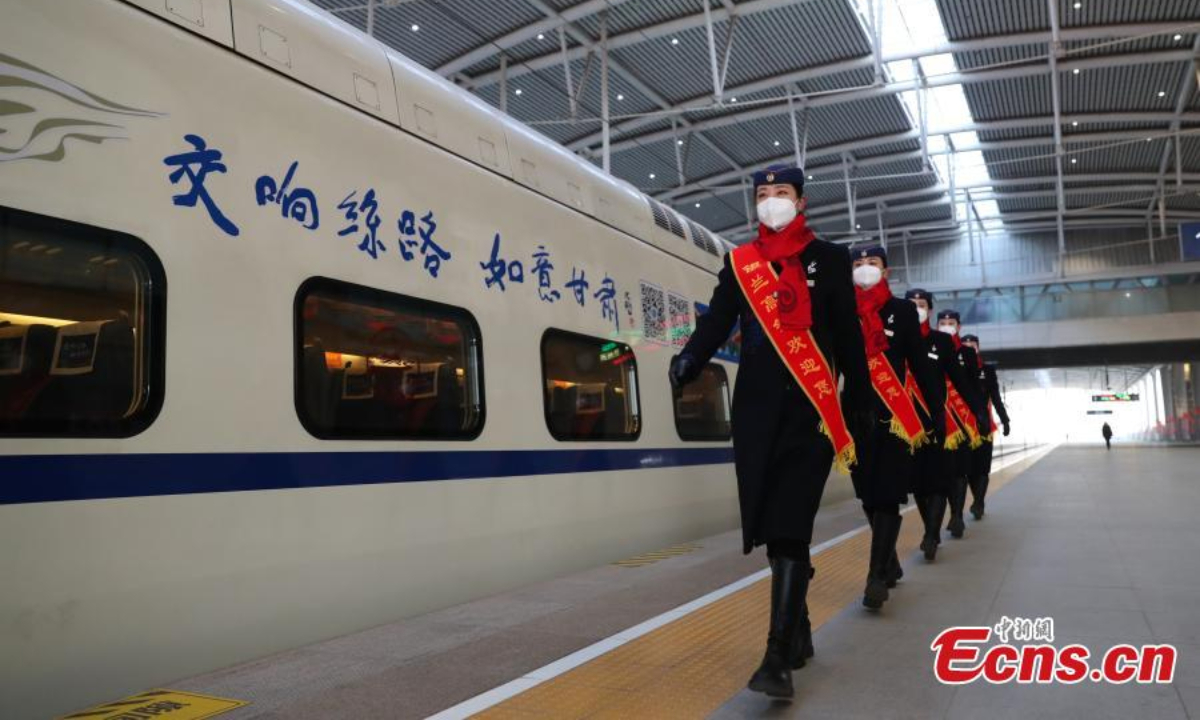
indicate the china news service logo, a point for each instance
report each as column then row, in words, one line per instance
column 1024, row 653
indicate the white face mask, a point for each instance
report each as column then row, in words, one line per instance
column 867, row 276
column 922, row 315
column 776, row 213
column 949, row 329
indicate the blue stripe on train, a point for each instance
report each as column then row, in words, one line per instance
column 51, row 478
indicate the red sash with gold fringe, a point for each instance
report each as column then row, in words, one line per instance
column 796, row 348
column 953, row 434
column 906, row 424
column 966, row 419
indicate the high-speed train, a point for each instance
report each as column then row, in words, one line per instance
column 297, row 338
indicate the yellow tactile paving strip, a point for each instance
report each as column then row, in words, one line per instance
column 692, row 666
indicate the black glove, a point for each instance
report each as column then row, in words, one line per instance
column 1006, row 429
column 684, row 369
column 861, row 424
column 935, row 434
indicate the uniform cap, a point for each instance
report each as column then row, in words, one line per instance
column 919, row 294
column 871, row 251
column 780, row 175
column 949, row 315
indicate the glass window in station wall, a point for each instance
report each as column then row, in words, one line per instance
column 378, row 365
column 702, row 408
column 82, row 328
column 590, row 388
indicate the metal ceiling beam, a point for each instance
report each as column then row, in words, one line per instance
column 839, row 218
column 587, row 44
column 523, row 34
column 947, row 232
column 704, row 186
column 778, row 107
column 668, row 28
column 1181, row 103
column 1056, row 101
column 890, row 199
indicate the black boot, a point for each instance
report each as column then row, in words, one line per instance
column 936, row 512
column 802, row 649
column 976, row 483
column 894, row 571
column 876, row 592
column 789, row 586
column 979, row 496
column 958, row 499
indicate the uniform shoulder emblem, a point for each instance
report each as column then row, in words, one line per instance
column 892, row 319
column 812, row 267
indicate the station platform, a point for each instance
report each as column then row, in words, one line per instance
column 1104, row 542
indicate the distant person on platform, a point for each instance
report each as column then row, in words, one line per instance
column 1106, row 431
column 895, row 352
column 795, row 298
column 981, row 457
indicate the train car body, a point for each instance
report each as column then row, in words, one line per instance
column 221, row 201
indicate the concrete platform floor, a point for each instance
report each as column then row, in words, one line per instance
column 1106, row 543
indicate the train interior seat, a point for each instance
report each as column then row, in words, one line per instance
column 27, row 353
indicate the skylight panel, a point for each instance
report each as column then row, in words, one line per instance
column 942, row 64
column 964, row 140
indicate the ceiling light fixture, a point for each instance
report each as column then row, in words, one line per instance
column 697, row 204
column 620, row 96
column 1075, row 71
column 415, row 27
column 651, row 176
column 674, row 41
column 541, row 36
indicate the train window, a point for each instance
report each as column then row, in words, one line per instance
column 82, row 324
column 590, row 388
column 376, row 365
column 702, row 407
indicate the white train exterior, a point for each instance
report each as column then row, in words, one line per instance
column 223, row 530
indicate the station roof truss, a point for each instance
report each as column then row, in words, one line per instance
column 921, row 120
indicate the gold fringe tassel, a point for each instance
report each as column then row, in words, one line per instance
column 953, row 440
column 921, row 438
column 847, row 457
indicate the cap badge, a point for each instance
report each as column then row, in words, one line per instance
column 770, row 177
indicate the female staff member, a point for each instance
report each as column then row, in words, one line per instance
column 795, row 299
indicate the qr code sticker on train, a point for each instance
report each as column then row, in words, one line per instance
column 681, row 319
column 654, row 313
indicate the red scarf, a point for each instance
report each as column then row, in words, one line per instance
column 979, row 358
column 784, row 247
column 869, row 303
column 925, row 329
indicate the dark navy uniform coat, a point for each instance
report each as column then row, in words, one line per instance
column 883, row 478
column 981, row 458
column 781, row 457
column 935, row 466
